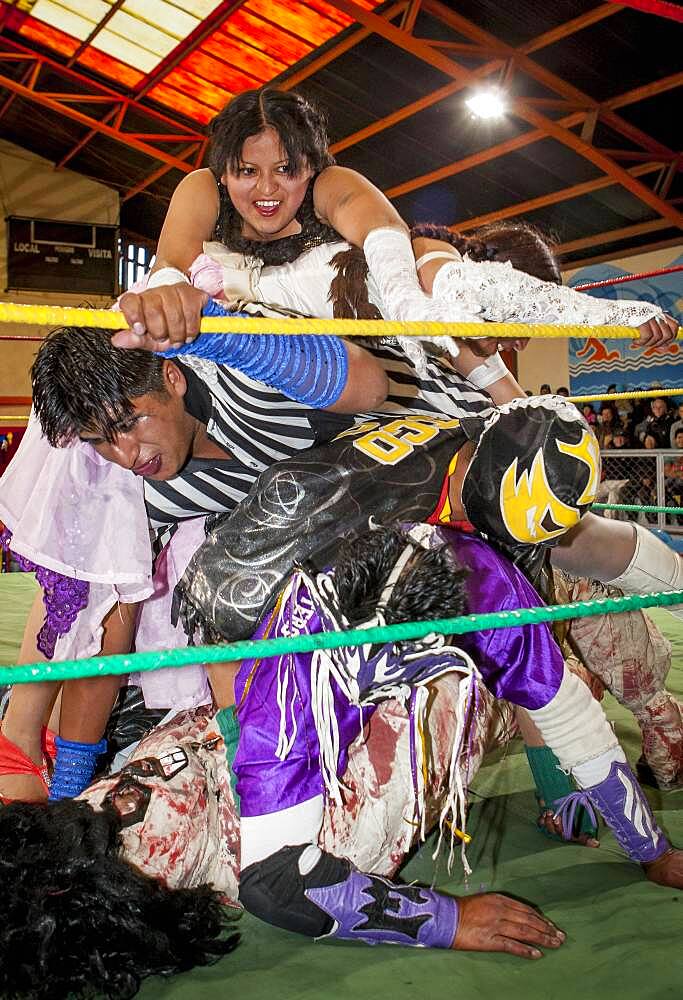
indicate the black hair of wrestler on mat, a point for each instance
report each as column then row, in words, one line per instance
column 78, row 921
column 81, row 381
column 432, row 584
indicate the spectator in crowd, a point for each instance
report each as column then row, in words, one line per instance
column 608, row 422
column 615, row 467
column 562, row 391
column 656, row 425
column 675, row 466
column 620, row 439
column 673, row 487
column 625, row 411
column 678, row 439
column 590, row 414
column 677, row 426
column 545, row 389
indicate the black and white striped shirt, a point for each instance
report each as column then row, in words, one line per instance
column 258, row 426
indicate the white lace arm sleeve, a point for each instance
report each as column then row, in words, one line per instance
column 504, row 294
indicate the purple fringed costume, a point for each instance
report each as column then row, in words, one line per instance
column 63, row 597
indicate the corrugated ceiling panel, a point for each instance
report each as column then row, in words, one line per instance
column 100, row 62
column 294, row 18
column 200, row 90
column 266, row 37
column 198, row 8
column 91, row 10
column 221, row 74
column 119, row 47
column 182, row 103
column 51, row 38
column 171, row 18
column 63, row 19
column 138, row 32
column 260, row 65
column 327, row 10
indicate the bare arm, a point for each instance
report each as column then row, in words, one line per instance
column 171, row 315
column 367, row 383
column 352, row 205
column 190, row 221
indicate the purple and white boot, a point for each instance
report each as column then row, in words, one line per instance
column 576, row 729
column 623, row 805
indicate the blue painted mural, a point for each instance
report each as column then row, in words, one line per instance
column 594, row 365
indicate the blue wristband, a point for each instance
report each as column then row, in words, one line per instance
column 74, row 767
column 310, row 369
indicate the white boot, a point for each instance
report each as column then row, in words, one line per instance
column 654, row 567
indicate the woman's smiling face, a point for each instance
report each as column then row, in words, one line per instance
column 264, row 191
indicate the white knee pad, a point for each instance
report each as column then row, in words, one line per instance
column 574, row 725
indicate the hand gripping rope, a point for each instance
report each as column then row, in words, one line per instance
column 107, row 319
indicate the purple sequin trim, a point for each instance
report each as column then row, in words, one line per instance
column 63, row 597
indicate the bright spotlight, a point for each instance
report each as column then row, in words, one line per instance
column 487, row 104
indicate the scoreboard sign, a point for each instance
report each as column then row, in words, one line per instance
column 50, row 256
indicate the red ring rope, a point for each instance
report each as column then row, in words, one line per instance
column 659, row 7
column 11, row 336
column 627, row 277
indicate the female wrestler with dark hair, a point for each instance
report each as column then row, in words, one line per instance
column 274, row 192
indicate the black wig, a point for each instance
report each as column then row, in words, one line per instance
column 520, row 243
column 432, row 585
column 78, row 921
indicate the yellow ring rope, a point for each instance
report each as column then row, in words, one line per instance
column 644, row 394
column 108, row 319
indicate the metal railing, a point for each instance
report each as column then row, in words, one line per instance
column 647, row 477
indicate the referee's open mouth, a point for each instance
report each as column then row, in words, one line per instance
column 150, row 468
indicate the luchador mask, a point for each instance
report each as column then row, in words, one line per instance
column 534, row 473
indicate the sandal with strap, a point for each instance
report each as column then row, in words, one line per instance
column 13, row 760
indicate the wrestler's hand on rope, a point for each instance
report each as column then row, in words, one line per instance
column 491, row 922
column 667, row 869
column 657, row 332
column 161, row 318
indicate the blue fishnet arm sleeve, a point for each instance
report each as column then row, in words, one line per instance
column 310, row 369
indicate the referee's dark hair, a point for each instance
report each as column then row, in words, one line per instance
column 82, row 382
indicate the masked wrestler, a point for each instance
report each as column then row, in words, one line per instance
column 532, row 475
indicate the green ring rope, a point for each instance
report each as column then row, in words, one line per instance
column 637, row 508
column 262, row 648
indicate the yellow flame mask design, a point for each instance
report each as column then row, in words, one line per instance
column 527, row 501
